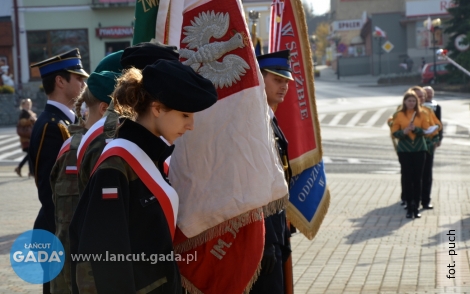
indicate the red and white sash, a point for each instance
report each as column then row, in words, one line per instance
column 95, row 130
column 148, row 173
column 70, row 169
column 65, row 147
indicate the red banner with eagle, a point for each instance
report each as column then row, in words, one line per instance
column 226, row 171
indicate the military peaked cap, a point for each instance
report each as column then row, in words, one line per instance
column 69, row 61
column 277, row 63
column 178, row 86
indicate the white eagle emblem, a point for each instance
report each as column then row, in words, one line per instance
column 204, row 59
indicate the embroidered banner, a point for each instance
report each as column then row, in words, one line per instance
column 227, row 166
column 145, row 20
column 297, row 117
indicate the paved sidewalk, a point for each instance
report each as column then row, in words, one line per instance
column 365, row 245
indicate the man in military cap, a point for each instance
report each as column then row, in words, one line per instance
column 63, row 81
column 277, row 74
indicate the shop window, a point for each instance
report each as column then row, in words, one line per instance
column 45, row 44
column 111, row 47
column 424, row 38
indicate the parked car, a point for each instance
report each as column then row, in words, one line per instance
column 427, row 75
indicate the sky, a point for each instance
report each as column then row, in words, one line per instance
column 319, row 6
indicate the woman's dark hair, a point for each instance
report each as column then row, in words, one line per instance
column 407, row 95
column 48, row 82
column 129, row 96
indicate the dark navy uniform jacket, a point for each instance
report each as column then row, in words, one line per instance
column 276, row 227
column 48, row 135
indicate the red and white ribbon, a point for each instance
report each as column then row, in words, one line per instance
column 95, row 130
column 65, row 147
column 146, row 170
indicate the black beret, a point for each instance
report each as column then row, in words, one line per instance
column 178, row 86
column 143, row 54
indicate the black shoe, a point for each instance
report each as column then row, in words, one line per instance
column 429, row 206
column 416, row 213
column 405, row 207
column 403, row 202
column 409, row 214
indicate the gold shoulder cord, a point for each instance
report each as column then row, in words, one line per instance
column 63, row 130
column 37, row 155
column 284, row 162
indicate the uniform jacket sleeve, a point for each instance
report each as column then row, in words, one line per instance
column 102, row 227
column 44, row 161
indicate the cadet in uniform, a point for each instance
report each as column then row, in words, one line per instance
column 63, row 81
column 137, row 56
column 277, row 73
column 121, row 211
column 64, row 173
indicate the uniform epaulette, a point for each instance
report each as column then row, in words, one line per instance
column 63, row 130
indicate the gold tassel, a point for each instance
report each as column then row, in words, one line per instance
column 298, row 220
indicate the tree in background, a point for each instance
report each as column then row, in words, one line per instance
column 321, row 33
column 457, row 25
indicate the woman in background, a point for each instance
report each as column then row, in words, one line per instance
column 24, row 128
column 408, row 127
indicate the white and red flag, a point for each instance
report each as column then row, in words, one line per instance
column 378, row 32
column 226, row 171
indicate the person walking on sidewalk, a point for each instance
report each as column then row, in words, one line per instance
column 408, row 127
column 24, row 129
column 434, row 141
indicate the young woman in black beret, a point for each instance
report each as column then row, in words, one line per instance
column 127, row 213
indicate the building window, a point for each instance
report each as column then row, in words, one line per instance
column 45, row 44
column 424, row 37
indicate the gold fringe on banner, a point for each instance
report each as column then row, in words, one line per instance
column 233, row 223
column 309, row 229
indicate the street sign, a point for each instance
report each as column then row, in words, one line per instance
column 459, row 43
column 387, row 46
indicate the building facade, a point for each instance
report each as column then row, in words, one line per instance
column 262, row 23
column 97, row 28
column 6, row 37
column 355, row 39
